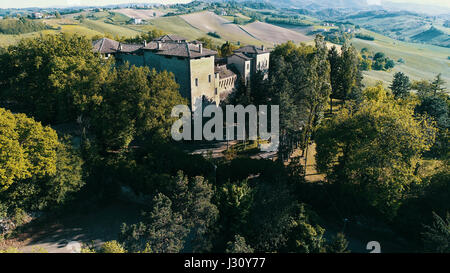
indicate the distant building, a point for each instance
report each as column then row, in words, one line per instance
column 36, row 15
column 136, row 21
column 249, row 60
column 200, row 75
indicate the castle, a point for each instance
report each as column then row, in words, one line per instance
column 197, row 70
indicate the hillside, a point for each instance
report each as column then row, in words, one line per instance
column 274, row 34
column 421, row 61
column 211, row 22
column 433, row 36
column 401, row 25
column 145, row 14
column 255, row 32
column 20, row 26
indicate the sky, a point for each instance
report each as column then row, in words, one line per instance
column 59, row 3
column 48, row 3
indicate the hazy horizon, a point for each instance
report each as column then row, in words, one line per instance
column 62, row 3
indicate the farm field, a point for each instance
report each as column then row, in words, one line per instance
column 106, row 28
column 210, row 22
column 141, row 14
column 274, row 34
column 421, row 61
column 175, row 25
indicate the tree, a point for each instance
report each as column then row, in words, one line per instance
column 343, row 73
column 207, row 42
column 400, row 85
column 305, row 237
column 27, row 149
column 238, row 246
column 338, row 244
column 162, row 230
column 299, row 83
column 227, row 49
column 373, row 151
column 37, row 170
column 437, row 85
column 423, row 88
column 136, row 102
column 234, row 203
column 112, row 247
column 54, row 78
column 437, row 236
column 194, row 202
column 183, row 212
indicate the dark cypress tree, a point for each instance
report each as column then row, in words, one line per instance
column 400, row 85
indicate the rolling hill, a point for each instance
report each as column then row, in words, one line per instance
column 256, row 32
column 211, row 22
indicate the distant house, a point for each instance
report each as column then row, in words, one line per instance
column 250, row 59
column 136, row 21
column 200, row 75
column 37, row 15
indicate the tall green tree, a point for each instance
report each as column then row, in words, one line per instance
column 162, row 230
column 344, row 67
column 52, row 77
column 374, row 151
column 135, row 102
column 437, row 236
column 37, row 170
column 400, row 85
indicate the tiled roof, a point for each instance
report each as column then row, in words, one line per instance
column 171, row 38
column 105, row 46
column 169, row 48
column 241, row 55
column 251, row 49
column 129, row 48
column 188, row 50
column 223, row 71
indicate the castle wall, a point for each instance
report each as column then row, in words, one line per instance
column 202, row 80
column 178, row 66
column 243, row 66
column 132, row 59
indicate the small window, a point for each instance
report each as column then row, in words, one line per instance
column 209, row 77
column 215, row 91
column 196, row 81
column 248, row 66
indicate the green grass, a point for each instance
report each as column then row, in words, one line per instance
column 421, row 61
column 118, row 18
column 114, row 30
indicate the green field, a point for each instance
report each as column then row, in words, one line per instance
column 107, row 28
column 175, row 25
column 421, row 61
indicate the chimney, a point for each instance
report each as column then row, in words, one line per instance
column 145, row 43
column 200, row 48
column 158, row 45
column 120, row 47
column 262, row 47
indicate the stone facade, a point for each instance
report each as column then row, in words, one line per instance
column 195, row 68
